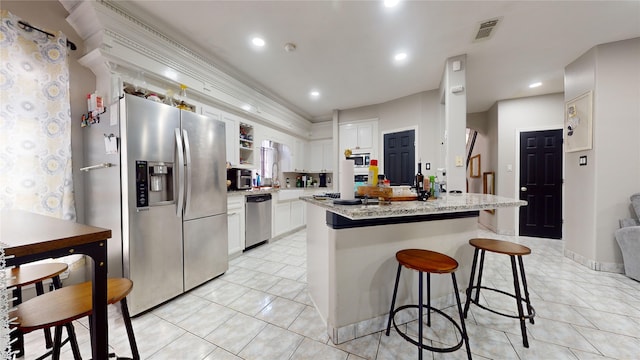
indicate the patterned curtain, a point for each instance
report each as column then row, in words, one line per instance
column 35, row 122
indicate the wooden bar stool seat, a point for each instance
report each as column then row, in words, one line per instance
column 70, row 303
column 21, row 276
column 514, row 251
column 500, row 247
column 33, row 274
column 426, row 261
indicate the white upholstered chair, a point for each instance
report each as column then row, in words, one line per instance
column 628, row 237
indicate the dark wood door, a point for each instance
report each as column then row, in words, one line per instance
column 541, row 183
column 399, row 157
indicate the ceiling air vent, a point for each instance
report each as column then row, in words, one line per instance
column 486, row 29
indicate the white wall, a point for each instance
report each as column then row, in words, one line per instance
column 617, row 110
column 51, row 15
column 482, row 147
column 598, row 194
column 492, row 138
column 580, row 225
column 418, row 110
column 478, row 122
column 514, row 116
column 455, row 122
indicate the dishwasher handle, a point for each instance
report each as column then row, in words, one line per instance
column 258, row 198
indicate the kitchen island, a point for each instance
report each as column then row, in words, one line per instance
column 351, row 263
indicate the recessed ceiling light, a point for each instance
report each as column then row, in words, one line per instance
column 258, row 41
column 246, row 107
column 400, row 56
column 314, row 93
column 391, row 3
column 535, row 85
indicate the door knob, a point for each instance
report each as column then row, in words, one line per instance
column 524, row 188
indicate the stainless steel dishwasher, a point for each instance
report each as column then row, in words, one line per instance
column 257, row 220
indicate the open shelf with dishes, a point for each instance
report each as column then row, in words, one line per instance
column 246, row 144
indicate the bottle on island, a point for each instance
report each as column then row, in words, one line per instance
column 419, row 179
column 372, row 179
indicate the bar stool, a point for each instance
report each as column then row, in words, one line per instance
column 21, row 276
column 514, row 251
column 59, row 308
column 425, row 261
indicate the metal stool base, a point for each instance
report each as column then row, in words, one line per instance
column 516, row 264
column 424, row 346
column 464, row 337
column 473, row 301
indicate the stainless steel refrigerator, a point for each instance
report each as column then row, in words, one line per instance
column 170, row 177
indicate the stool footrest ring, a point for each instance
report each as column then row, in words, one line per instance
column 424, row 346
column 472, row 300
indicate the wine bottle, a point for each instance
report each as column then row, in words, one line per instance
column 419, row 179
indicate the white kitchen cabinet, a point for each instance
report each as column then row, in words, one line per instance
column 239, row 138
column 235, row 223
column 320, row 154
column 314, row 155
column 298, row 158
column 348, row 137
column 211, row 112
column 288, row 211
column 297, row 214
column 359, row 136
column 282, row 218
column 365, row 136
column 327, row 155
column 231, row 129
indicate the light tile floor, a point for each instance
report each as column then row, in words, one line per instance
column 260, row 309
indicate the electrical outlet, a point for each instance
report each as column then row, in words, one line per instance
column 427, row 166
column 459, row 161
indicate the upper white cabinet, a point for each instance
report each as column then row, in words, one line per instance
column 320, row 155
column 240, row 142
column 211, row 112
column 359, row 136
column 232, row 134
column 231, row 129
column 298, row 158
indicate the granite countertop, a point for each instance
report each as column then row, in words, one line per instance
column 448, row 204
column 273, row 190
column 253, row 191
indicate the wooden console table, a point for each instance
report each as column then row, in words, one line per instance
column 28, row 237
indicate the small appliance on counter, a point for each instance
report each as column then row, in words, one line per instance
column 240, row 179
column 323, row 179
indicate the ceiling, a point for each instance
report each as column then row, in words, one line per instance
column 344, row 49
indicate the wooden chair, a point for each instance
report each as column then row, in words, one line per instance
column 19, row 277
column 61, row 307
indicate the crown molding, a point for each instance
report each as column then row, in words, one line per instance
column 121, row 40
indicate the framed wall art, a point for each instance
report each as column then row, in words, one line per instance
column 474, row 169
column 489, row 186
column 578, row 128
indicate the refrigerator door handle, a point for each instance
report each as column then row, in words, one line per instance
column 180, row 168
column 188, row 165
